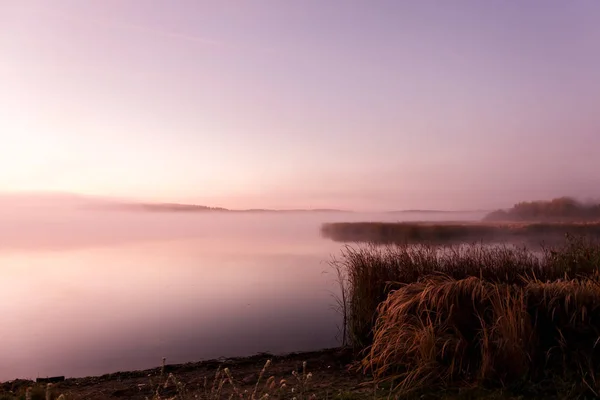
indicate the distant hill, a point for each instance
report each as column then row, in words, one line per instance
column 435, row 211
column 59, row 200
column 291, row 210
column 177, row 207
column 167, row 207
column 53, row 200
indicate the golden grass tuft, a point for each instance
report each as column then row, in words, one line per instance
column 423, row 316
column 445, row 332
column 368, row 273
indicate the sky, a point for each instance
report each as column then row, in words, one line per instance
column 346, row 104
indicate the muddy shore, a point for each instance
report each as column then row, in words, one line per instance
column 329, row 369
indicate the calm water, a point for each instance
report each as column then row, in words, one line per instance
column 89, row 292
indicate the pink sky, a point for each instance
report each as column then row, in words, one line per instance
column 364, row 105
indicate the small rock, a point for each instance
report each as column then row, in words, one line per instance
column 250, row 379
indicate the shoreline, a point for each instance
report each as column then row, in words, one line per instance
column 456, row 232
column 329, row 368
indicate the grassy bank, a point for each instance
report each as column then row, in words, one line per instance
column 532, row 233
column 426, row 318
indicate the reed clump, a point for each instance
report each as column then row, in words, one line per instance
column 442, row 233
column 369, row 273
column 444, row 332
column 424, row 316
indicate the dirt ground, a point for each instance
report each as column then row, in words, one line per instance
column 330, row 378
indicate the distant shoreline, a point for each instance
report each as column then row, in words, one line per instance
column 455, row 232
column 435, row 211
column 176, row 207
column 329, row 367
column 180, row 207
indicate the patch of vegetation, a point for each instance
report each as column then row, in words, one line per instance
column 440, row 233
column 559, row 209
column 283, row 377
column 425, row 317
column 21, row 390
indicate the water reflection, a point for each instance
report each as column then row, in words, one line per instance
column 92, row 293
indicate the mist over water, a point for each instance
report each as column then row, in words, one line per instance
column 90, row 292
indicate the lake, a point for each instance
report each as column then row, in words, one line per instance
column 93, row 292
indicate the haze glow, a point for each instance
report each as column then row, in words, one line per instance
column 345, row 104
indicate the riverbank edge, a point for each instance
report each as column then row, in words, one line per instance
column 330, row 369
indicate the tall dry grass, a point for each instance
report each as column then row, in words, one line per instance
column 368, row 273
column 444, row 233
column 444, row 332
column 426, row 316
